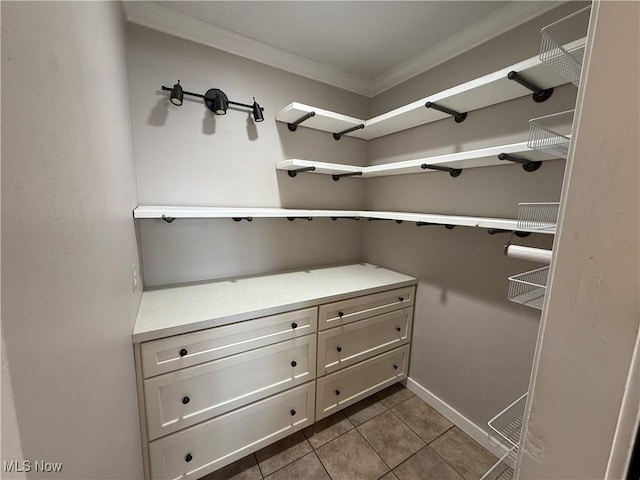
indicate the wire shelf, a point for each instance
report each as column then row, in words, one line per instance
column 538, row 215
column 504, row 468
column 560, row 49
column 551, row 134
column 529, row 288
column 508, row 424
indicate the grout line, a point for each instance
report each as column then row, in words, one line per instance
column 374, row 450
column 452, row 426
column 255, row 457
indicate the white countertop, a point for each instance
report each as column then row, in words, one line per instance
column 185, row 308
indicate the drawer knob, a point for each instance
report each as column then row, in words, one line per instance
column 341, row 314
column 395, row 367
column 294, row 325
column 185, row 400
column 188, row 457
column 398, row 329
column 339, row 349
column 337, row 392
column 294, row 363
column 183, row 352
column 293, row 412
column 401, row 299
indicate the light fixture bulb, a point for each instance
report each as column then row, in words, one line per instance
column 176, row 95
column 216, row 101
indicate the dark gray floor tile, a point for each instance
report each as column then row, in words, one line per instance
column 422, row 419
column 390, row 438
column 327, row 429
column 394, row 395
column 364, row 410
column 463, row 453
column 244, row 469
column 426, row 464
column 349, row 457
column 306, row 468
column 279, row 454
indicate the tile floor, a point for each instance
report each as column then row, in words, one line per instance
column 392, row 435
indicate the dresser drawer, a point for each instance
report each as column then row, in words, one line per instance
column 208, row 446
column 353, row 309
column 349, row 344
column 183, row 398
column 172, row 353
column 343, row 388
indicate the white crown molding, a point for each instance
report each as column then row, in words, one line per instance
column 499, row 22
column 157, row 17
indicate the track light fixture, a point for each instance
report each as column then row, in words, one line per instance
column 215, row 100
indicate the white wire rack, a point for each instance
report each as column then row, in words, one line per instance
column 560, row 50
column 529, row 288
column 538, row 215
column 508, row 424
column 551, row 133
column 504, row 468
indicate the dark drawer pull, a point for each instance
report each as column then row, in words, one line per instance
column 395, row 367
column 188, row 457
column 185, row 400
column 341, row 314
column 398, row 329
column 294, row 363
column 339, row 349
column 337, row 392
column 183, row 352
column 294, row 325
column 293, row 412
column 401, row 299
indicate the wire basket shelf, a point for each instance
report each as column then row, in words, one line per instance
column 508, row 424
column 551, row 134
column 538, row 216
column 529, row 288
column 504, row 468
column 562, row 47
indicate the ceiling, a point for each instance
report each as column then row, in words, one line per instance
column 362, row 46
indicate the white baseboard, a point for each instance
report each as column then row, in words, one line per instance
column 459, row 420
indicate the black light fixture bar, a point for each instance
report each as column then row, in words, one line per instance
column 293, row 126
column 539, row 94
column 338, row 176
column 454, row 172
column 337, row 136
column 238, row 219
column 457, row 116
column 291, row 219
column 293, row 173
column 215, row 100
column 168, row 219
column 527, row 165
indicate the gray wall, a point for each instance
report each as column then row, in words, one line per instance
column 187, row 156
column 68, row 240
column 472, row 348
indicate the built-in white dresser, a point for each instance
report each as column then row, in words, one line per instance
column 225, row 368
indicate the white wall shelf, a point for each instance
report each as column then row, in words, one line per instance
column 508, row 424
column 481, row 92
column 169, row 213
column 485, row 157
column 529, row 288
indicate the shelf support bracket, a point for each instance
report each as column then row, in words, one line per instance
column 493, row 231
column 425, row 224
column 337, row 136
column 291, row 219
column 168, row 219
column 293, row 126
column 346, row 218
column 527, row 165
column 293, row 173
column 539, row 95
column 454, row 172
column 373, row 219
column 238, row 219
column 457, row 116
column 338, row 176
